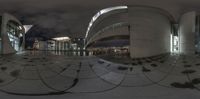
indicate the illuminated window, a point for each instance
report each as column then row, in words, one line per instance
column 62, row 38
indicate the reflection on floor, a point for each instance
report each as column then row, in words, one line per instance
column 75, row 77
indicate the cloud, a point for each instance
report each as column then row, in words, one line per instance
column 70, row 17
column 50, row 14
column 62, row 22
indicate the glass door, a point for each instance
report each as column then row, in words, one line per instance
column 175, row 40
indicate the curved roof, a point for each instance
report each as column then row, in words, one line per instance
column 90, row 33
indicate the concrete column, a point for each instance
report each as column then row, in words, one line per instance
column 59, row 45
column 56, row 45
column 63, row 45
column 66, row 46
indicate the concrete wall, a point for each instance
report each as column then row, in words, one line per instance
column 123, row 30
column 6, row 45
column 107, row 20
column 149, row 32
column 187, row 33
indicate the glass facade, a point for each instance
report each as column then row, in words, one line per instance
column 0, row 35
column 197, row 34
column 14, row 32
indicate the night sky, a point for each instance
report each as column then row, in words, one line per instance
column 71, row 17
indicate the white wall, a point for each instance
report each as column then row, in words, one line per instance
column 187, row 33
column 150, row 32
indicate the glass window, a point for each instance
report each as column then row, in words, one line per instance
column 14, row 34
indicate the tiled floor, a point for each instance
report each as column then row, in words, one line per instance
column 37, row 75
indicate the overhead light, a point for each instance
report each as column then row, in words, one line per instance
column 61, row 38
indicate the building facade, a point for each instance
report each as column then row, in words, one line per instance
column 149, row 30
column 12, row 36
